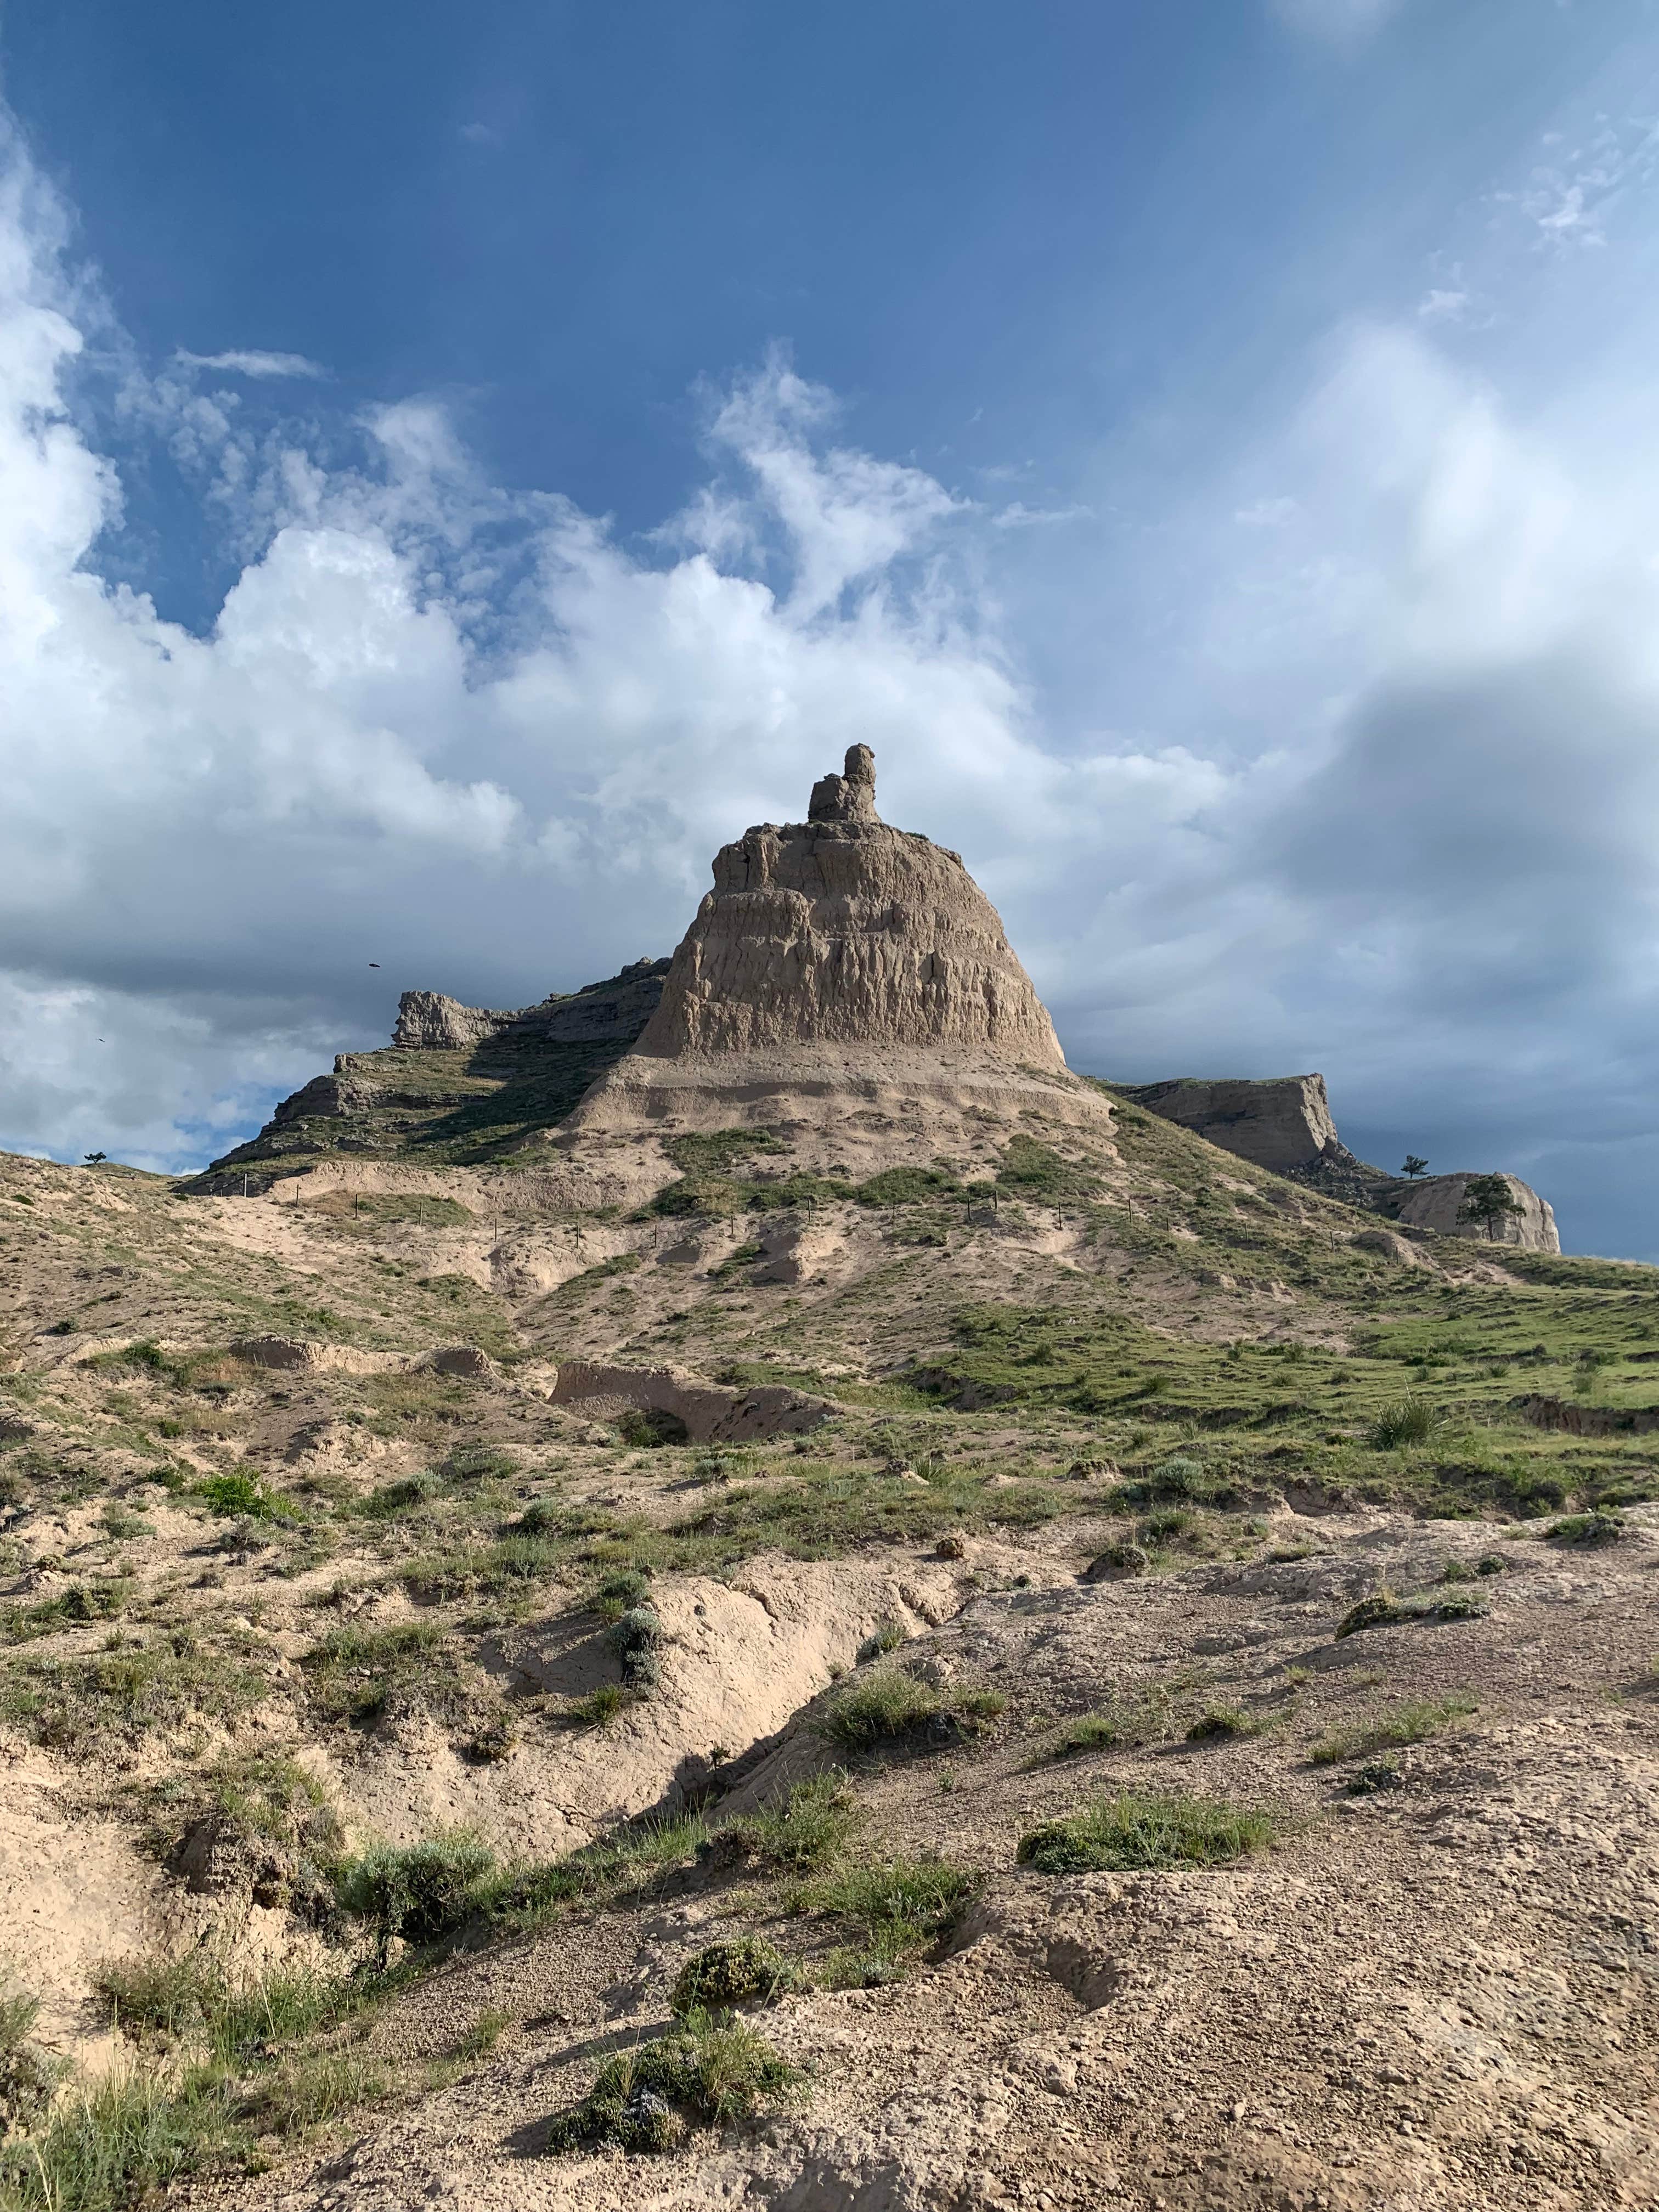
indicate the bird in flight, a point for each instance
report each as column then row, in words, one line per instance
column 373, row 963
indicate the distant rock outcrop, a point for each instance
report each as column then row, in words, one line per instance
column 1436, row 1203
column 1283, row 1122
column 615, row 1011
column 457, row 1085
column 429, row 1022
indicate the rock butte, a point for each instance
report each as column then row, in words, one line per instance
column 845, row 981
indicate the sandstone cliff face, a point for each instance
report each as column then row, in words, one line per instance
column 1279, row 1123
column 1435, row 1202
column 429, row 1022
column 842, row 931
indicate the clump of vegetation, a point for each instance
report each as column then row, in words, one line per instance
column 620, row 1864
column 1595, row 1527
column 1218, row 1723
column 886, row 1705
column 481, row 1463
column 721, row 1976
column 76, row 1706
column 394, row 1497
column 890, row 1637
column 1381, row 1610
column 648, row 1428
column 806, row 1830
column 241, row 1496
column 706, row 2072
column 1413, row 1721
column 1407, row 1421
column 620, row 1593
column 635, row 1636
column 28, row 2075
column 1132, row 1831
column 599, row 1707
column 358, row 1674
column 895, row 1907
column 1375, row 1775
column 421, row 1892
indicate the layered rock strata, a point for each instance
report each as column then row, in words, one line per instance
column 840, row 970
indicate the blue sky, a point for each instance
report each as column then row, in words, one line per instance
column 458, row 466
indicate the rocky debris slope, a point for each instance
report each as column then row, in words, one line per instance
column 1283, row 1122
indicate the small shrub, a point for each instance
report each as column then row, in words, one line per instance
column 1180, row 1478
column 981, row 1706
column 312, row 2089
column 617, row 1864
column 117, row 2143
column 1217, row 1723
column 1596, row 1527
column 887, row 1704
column 418, row 1891
column 1123, row 1725
column 620, row 1593
column 706, row 2072
column 635, row 1636
column 724, row 1975
column 600, row 1706
column 1376, row 1774
column 1411, row 1723
column 1461, row 1605
column 1492, row 1563
column 805, row 1832
column 394, row 1497
column 888, row 1637
column 480, row 1463
column 1407, row 1421
column 1131, row 1831
column 648, row 1428
column 241, row 1496
column 1380, row 1611
column 28, row 2075
column 480, row 2039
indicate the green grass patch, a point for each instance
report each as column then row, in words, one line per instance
column 1132, row 1831
column 177, row 1688
column 1413, row 1722
column 893, row 1907
column 809, row 1829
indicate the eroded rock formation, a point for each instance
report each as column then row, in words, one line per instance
column 841, row 930
column 842, row 974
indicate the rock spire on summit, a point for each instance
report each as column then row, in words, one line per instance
column 850, row 796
